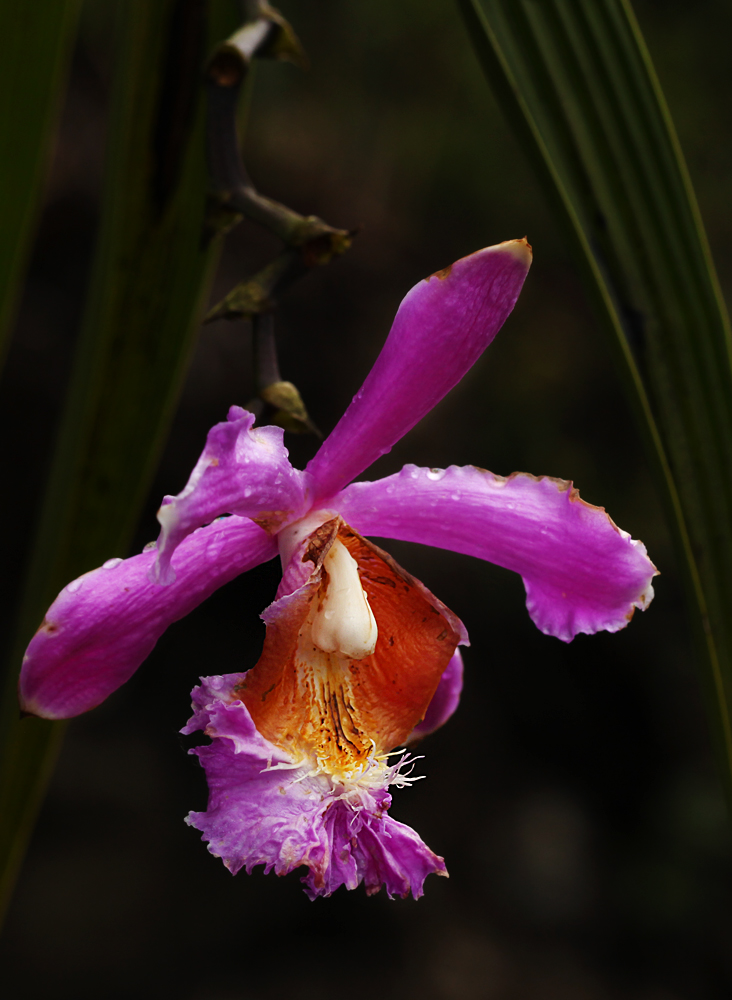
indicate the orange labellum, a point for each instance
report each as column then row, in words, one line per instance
column 335, row 708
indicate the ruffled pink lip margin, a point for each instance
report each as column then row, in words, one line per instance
column 265, row 809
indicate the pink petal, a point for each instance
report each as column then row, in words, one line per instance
column 444, row 701
column 243, row 470
column 442, row 327
column 265, row 808
column 102, row 626
column 581, row 572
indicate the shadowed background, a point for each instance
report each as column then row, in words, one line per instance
column 573, row 794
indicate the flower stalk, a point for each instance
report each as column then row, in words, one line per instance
column 309, row 241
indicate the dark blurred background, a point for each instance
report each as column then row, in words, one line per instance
column 573, row 795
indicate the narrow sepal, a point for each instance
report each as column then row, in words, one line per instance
column 442, row 327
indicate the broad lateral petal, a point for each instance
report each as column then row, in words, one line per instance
column 442, row 327
column 243, row 470
column 581, row 572
column 444, row 701
column 102, row 626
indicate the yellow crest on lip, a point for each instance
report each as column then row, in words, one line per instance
column 328, row 705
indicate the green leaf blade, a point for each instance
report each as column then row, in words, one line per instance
column 35, row 48
column 577, row 82
column 149, row 281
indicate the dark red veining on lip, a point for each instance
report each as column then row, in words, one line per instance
column 336, row 708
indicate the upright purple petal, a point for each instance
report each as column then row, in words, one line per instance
column 243, row 470
column 102, row 626
column 266, row 808
column 442, row 327
column 581, row 572
column 444, row 701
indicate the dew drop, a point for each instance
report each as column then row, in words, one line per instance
column 111, row 563
column 73, row 586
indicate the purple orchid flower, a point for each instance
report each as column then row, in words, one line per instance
column 359, row 657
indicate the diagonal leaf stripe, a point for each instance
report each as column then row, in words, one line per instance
column 149, row 282
column 35, row 45
column 576, row 81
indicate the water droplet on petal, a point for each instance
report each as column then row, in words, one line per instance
column 111, row 563
column 73, row 586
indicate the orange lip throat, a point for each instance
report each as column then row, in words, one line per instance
column 329, row 706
